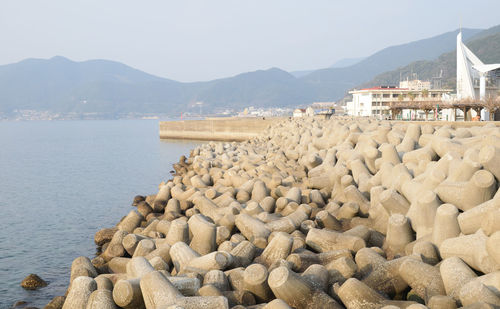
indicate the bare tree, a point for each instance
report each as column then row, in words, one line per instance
column 491, row 104
column 427, row 106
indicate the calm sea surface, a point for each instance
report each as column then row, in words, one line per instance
column 62, row 181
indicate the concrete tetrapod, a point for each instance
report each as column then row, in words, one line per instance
column 357, row 295
column 278, row 248
column 472, row 250
column 159, row 292
column 493, row 247
column 115, row 247
column 127, row 294
column 130, row 222
column 455, row 274
column 138, row 267
column 243, row 254
column 253, row 229
column 277, row 304
column 101, row 299
column 325, row 240
column 488, row 157
column 131, row 241
column 144, row 247
column 399, row 234
column 302, row 260
column 380, row 274
column 255, row 281
column 424, row 279
column 81, row 266
column 296, row 292
column 216, row 278
column 470, row 221
column 422, row 213
column 79, row 293
column 475, row 291
column 317, row 276
column 445, row 224
column 465, row 195
column 442, row 302
column 204, row 234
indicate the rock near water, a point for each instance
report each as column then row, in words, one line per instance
column 33, row 282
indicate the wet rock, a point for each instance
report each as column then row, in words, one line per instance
column 33, row 282
column 138, row 199
column 19, row 304
column 104, row 235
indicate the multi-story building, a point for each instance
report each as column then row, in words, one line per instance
column 377, row 101
column 415, row 84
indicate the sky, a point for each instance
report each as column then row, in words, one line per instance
column 195, row 40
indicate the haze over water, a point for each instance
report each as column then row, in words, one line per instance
column 62, row 181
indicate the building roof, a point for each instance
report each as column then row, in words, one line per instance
column 385, row 88
column 396, row 89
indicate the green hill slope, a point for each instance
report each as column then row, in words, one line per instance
column 333, row 83
column 486, row 45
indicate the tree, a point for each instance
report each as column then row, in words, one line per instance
column 491, row 104
column 395, row 109
column 427, row 107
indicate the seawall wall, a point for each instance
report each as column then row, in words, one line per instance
column 218, row 129
column 240, row 129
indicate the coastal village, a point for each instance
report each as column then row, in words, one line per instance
column 477, row 96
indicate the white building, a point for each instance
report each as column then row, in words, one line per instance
column 299, row 112
column 376, row 101
column 415, row 84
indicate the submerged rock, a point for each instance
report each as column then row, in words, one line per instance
column 33, row 282
column 19, row 304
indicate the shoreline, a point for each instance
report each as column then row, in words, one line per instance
column 336, row 210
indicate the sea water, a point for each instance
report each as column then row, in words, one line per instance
column 62, row 181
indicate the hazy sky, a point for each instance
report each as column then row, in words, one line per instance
column 190, row 40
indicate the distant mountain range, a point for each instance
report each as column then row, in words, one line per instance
column 342, row 63
column 333, row 82
column 101, row 86
column 485, row 44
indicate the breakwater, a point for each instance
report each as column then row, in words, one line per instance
column 216, row 129
column 334, row 213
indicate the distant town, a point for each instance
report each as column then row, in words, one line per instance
column 477, row 97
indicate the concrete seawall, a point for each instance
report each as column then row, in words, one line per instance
column 224, row 129
column 240, row 129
